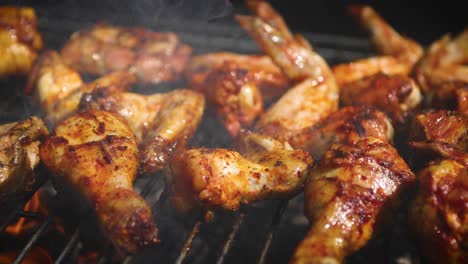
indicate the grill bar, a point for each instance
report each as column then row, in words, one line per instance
column 273, row 226
column 232, row 235
column 188, row 242
column 68, row 247
column 32, row 241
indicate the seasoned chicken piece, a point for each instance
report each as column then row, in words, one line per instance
column 346, row 196
column 59, row 88
column 162, row 123
column 441, row 125
column 313, row 98
column 444, row 61
column 386, row 40
column 153, row 57
column 438, row 216
column 19, row 156
column 19, row 40
column 236, row 85
column 345, row 126
column 95, row 154
column 220, row 178
column 396, row 95
column 449, row 95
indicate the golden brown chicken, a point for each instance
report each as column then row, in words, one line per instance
column 236, row 85
column 19, row 156
column 95, row 155
column 59, row 88
column 316, row 94
column 19, row 40
column 438, row 216
column 346, row 194
column 219, row 178
column 396, row 95
column 444, row 61
column 398, row 54
column 162, row 123
column 344, row 126
column 153, row 57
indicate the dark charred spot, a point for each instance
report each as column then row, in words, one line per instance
column 278, row 163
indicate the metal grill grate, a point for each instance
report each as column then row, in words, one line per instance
column 232, row 237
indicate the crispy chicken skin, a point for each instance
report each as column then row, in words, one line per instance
column 438, row 216
column 95, row 154
column 452, row 95
column 236, row 85
column 444, row 61
column 19, row 156
column 396, row 95
column 219, row 178
column 19, row 40
column 345, row 126
column 153, row 57
column 316, row 94
column 346, row 196
column 162, row 123
column 441, row 125
column 59, row 88
column 386, row 40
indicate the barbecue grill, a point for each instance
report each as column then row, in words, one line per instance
column 266, row 232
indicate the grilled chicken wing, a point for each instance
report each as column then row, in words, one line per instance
column 451, row 95
column 438, row 216
column 444, row 62
column 162, row 123
column 220, row 178
column 19, row 156
column 59, row 88
column 398, row 53
column 344, row 126
column 316, row 94
column 346, row 194
column 396, row 95
column 19, row 40
column 95, row 154
column 152, row 56
column 386, row 40
column 236, row 85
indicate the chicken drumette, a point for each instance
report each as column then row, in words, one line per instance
column 95, row 154
column 19, row 156
column 19, row 40
column 345, row 195
column 153, row 57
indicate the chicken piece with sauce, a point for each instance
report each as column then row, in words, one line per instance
column 94, row 154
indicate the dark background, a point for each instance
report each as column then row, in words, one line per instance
column 424, row 21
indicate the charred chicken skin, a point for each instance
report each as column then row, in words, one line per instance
column 345, row 126
column 153, row 57
column 316, row 94
column 19, row 40
column 95, row 154
column 59, row 88
column 345, row 195
column 438, row 216
column 162, row 123
column 396, row 95
column 219, row 178
column 236, row 85
column 19, row 156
